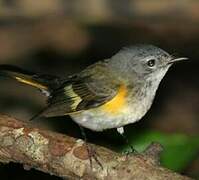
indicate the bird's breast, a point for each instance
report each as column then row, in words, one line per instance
column 125, row 108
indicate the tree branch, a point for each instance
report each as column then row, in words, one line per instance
column 67, row 157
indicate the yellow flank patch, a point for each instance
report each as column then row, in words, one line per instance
column 118, row 102
column 31, row 83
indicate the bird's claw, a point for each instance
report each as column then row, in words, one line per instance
column 92, row 154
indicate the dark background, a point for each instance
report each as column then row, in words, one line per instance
column 62, row 37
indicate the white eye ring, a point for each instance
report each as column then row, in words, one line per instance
column 151, row 62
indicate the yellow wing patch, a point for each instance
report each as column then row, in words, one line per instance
column 118, row 102
column 76, row 99
column 31, row 83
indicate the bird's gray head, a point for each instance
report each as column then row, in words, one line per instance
column 143, row 62
column 141, row 67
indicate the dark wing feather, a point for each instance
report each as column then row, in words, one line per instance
column 83, row 91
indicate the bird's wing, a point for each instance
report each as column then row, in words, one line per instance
column 89, row 89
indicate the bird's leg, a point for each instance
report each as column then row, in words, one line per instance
column 120, row 130
column 91, row 151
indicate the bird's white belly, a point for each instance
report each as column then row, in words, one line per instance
column 97, row 120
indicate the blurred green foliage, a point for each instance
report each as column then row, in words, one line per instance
column 179, row 149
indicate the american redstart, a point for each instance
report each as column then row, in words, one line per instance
column 108, row 94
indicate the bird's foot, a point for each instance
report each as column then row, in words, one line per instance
column 92, row 155
column 130, row 150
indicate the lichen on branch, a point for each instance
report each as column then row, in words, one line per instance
column 67, row 157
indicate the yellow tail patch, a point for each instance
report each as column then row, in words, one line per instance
column 31, row 83
column 118, row 102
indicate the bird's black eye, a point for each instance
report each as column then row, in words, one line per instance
column 151, row 62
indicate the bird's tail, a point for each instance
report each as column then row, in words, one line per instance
column 39, row 81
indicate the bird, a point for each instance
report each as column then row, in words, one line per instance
column 110, row 93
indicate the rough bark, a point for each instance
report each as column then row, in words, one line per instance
column 67, row 157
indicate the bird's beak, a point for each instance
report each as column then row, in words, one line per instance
column 177, row 60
